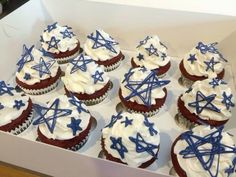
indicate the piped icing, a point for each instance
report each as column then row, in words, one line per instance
column 210, row 99
column 83, row 75
column 56, row 39
column 132, row 138
column 204, row 60
column 62, row 118
column 101, row 46
column 12, row 103
column 151, row 53
column 33, row 66
column 142, row 86
column 206, row 152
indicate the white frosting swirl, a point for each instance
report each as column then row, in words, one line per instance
column 132, row 157
column 193, row 167
column 61, row 130
column 65, row 44
column 207, row 89
column 101, row 53
column 82, row 81
column 153, row 61
column 34, row 74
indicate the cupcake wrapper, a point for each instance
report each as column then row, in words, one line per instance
column 183, row 122
column 148, row 114
column 41, row 91
column 112, row 67
column 67, row 59
column 78, row 146
column 20, row 128
column 185, row 82
column 95, row 101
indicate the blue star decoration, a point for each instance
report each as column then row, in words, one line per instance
column 214, row 82
column 201, row 99
column 192, row 58
column 45, row 53
column 143, row 42
column 80, row 62
column 53, row 43
column 67, row 34
column 127, row 121
column 143, row 89
column 227, row 100
column 152, row 51
column 118, row 146
column 231, row 168
column 43, row 67
column 101, row 41
column 54, row 113
column 74, row 125
column 127, row 75
column 114, row 118
column 18, row 104
column 206, row 156
column 143, row 146
column 76, row 102
column 41, row 39
column 25, row 57
column 163, row 56
column 150, row 125
column 1, row 106
column 51, row 27
column 140, row 57
column 4, row 88
column 97, row 76
column 210, row 64
column 27, row 76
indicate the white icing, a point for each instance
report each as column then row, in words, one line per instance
column 153, row 61
column 193, row 167
column 34, row 74
column 101, row 53
column 207, row 90
column 132, row 158
column 66, row 44
column 82, row 81
column 61, row 131
column 139, row 75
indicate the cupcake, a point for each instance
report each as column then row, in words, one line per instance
column 142, row 91
column 207, row 102
column 202, row 62
column 64, row 122
column 86, row 80
column 15, row 110
column 204, row 151
column 131, row 139
column 151, row 53
column 60, row 42
column 104, row 50
column 36, row 73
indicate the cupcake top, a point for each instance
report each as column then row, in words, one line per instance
column 83, row 75
column 151, row 53
column 12, row 103
column 62, row 118
column 209, row 99
column 56, row 39
column 204, row 60
column 101, row 46
column 142, row 86
column 34, row 66
column 132, row 138
column 206, row 152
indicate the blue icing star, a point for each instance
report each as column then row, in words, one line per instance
column 206, row 156
column 114, row 118
column 192, row 58
column 54, row 113
column 150, row 125
column 76, row 102
column 1, row 106
column 41, row 38
column 53, row 43
column 51, row 27
column 74, row 125
column 200, row 99
column 45, row 53
column 227, row 100
column 25, row 57
column 118, row 146
column 163, row 56
column 101, row 41
column 214, row 82
column 143, row 89
column 43, row 67
column 127, row 121
column 152, row 50
column 202, row 47
column 97, row 76
column 18, row 104
column 80, row 62
column 210, row 64
column 143, row 146
column 27, row 76
column 231, row 168
column 67, row 34
column 140, row 57
column 4, row 88
column 143, row 42
column 127, row 75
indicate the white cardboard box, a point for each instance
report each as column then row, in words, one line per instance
column 178, row 29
